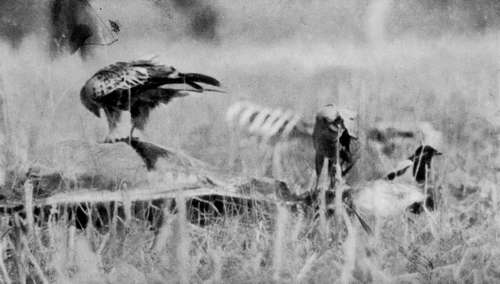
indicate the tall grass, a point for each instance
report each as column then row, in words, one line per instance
column 452, row 82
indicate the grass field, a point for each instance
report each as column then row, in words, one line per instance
column 451, row 81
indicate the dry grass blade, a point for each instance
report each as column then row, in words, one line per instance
column 363, row 223
column 102, row 246
column 34, row 262
column 323, row 187
column 182, row 241
column 28, row 203
column 3, row 268
column 349, row 248
column 301, row 276
column 423, row 264
column 443, row 272
column 279, row 258
column 339, row 182
column 164, row 232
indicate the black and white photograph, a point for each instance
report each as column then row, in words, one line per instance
column 234, row 141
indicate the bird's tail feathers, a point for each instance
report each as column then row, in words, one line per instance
column 174, row 91
column 164, row 95
column 193, row 78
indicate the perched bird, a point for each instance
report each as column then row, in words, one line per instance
column 133, row 89
column 420, row 163
column 334, row 133
column 395, row 193
column 334, row 124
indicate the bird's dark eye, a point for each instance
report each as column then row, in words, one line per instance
column 338, row 121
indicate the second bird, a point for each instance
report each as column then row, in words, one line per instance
column 128, row 91
column 334, row 124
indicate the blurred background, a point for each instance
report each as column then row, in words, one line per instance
column 389, row 60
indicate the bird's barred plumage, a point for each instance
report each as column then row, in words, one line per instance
column 138, row 87
column 267, row 123
column 123, row 76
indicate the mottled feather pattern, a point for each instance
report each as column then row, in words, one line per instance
column 124, row 76
column 138, row 87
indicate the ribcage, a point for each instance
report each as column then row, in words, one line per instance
column 269, row 124
column 272, row 142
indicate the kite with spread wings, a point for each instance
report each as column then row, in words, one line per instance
column 133, row 89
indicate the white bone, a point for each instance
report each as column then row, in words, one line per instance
column 266, row 127
column 259, row 120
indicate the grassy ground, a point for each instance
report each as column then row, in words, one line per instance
column 452, row 82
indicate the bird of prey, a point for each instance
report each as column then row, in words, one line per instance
column 334, row 124
column 128, row 91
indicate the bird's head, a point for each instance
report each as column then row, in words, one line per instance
column 338, row 119
column 424, row 153
column 91, row 105
column 422, row 159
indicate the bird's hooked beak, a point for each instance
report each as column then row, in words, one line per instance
column 96, row 110
column 337, row 127
column 92, row 106
column 334, row 127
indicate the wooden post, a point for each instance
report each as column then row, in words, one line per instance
column 349, row 248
